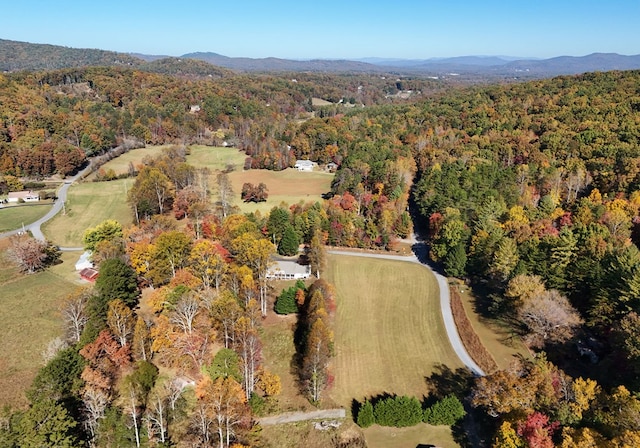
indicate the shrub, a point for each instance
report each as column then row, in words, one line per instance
column 365, row 415
column 257, row 404
column 445, row 412
column 398, row 411
column 286, row 302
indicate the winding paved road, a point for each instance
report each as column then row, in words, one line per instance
column 34, row 227
column 445, row 303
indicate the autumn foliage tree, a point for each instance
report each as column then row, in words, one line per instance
column 221, row 411
column 28, row 253
column 254, row 193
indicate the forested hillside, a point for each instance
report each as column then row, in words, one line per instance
column 529, row 192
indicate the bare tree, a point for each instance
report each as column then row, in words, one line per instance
column 94, row 403
column 120, row 321
column 185, row 313
column 54, row 346
column 548, row 317
column 225, row 193
column 74, row 314
column 157, row 414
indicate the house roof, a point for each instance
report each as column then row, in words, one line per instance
column 290, row 267
column 89, row 274
column 22, row 194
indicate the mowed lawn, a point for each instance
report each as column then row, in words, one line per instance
column 216, row 158
column 389, row 333
column 13, row 217
column 88, row 204
column 29, row 316
column 389, row 336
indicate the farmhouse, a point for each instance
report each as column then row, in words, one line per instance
column 288, row 270
column 26, row 196
column 305, row 165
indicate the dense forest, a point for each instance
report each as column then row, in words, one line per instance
column 529, row 192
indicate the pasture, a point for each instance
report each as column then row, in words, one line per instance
column 88, row 204
column 289, row 186
column 29, row 319
column 216, row 158
column 120, row 165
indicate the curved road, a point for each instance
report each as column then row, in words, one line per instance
column 34, row 227
column 445, row 305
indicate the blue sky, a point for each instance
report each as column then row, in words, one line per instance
column 411, row 29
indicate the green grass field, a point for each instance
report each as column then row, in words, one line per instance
column 381, row 437
column 216, row 158
column 13, row 217
column 88, row 204
column 289, row 186
column 389, row 333
column 120, row 164
column 29, row 319
column 389, row 336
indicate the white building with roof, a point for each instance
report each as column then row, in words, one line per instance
column 305, row 165
column 288, row 270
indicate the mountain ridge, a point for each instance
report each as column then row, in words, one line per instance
column 15, row 56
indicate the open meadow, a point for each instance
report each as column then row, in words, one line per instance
column 120, row 165
column 30, row 319
column 88, row 204
column 389, row 333
column 289, row 186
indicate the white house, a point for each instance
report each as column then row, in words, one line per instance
column 305, row 165
column 26, row 196
column 288, row 270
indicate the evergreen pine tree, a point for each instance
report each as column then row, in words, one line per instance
column 289, row 244
column 365, row 415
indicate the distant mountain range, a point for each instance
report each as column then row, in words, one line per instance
column 26, row 56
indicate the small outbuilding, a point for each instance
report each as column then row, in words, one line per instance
column 84, row 261
column 89, row 274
